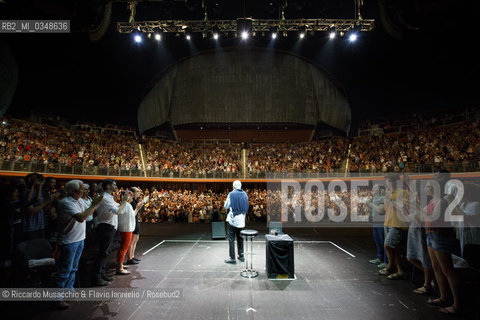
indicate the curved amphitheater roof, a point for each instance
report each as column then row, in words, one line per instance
column 241, row 87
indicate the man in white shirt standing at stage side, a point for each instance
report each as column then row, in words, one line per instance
column 237, row 207
column 72, row 214
column 107, row 222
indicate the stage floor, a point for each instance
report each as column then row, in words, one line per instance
column 333, row 281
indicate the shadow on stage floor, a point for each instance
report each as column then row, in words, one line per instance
column 333, row 281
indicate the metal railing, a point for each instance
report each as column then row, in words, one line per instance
column 55, row 168
column 466, row 166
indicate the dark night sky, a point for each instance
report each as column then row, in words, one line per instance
column 74, row 77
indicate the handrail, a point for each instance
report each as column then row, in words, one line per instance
column 55, row 168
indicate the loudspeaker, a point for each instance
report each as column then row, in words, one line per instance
column 218, row 230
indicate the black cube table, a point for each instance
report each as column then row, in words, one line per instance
column 280, row 260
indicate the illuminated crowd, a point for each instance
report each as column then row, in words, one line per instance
column 455, row 146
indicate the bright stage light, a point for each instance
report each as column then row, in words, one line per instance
column 138, row 38
column 244, row 35
column 302, row 35
column 188, row 37
column 158, row 37
column 353, row 37
column 274, row 35
column 215, row 36
column 332, row 35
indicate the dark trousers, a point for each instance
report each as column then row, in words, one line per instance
column 105, row 234
column 379, row 238
column 232, row 233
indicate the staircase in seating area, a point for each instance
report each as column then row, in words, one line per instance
column 143, row 157
column 344, row 166
column 244, row 167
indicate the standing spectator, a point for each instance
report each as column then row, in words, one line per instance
column 50, row 188
column 468, row 230
column 378, row 209
column 107, row 215
column 87, row 201
column 34, row 226
column 237, row 206
column 72, row 214
column 9, row 208
column 126, row 225
column 441, row 242
column 19, row 218
column 396, row 225
column 136, row 232
column 417, row 252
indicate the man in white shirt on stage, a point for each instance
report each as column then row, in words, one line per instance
column 107, row 222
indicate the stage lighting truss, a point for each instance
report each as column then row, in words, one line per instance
column 255, row 26
column 259, row 26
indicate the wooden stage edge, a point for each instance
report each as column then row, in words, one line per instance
column 12, row 174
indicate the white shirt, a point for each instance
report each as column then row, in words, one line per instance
column 67, row 208
column 237, row 221
column 87, row 203
column 126, row 219
column 107, row 211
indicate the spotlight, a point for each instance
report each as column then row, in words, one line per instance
column 332, row 33
column 245, row 25
column 215, row 33
column 158, row 36
column 137, row 38
column 188, row 34
column 274, row 31
column 353, row 34
column 303, row 32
